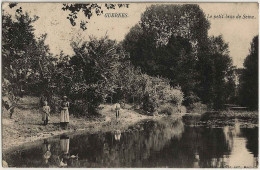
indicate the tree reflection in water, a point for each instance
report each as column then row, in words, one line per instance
column 165, row 143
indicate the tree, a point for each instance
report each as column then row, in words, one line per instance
column 27, row 62
column 172, row 41
column 165, row 21
column 214, row 69
column 166, row 43
column 249, row 78
column 95, row 67
column 18, row 42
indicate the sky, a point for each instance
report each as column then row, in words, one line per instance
column 238, row 33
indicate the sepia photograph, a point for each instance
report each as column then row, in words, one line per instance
column 129, row 85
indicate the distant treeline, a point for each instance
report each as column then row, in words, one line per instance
column 166, row 60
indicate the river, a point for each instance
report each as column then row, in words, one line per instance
column 162, row 143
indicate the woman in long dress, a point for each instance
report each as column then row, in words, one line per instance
column 64, row 115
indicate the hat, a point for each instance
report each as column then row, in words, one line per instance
column 64, row 97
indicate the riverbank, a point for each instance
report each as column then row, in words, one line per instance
column 26, row 125
column 246, row 119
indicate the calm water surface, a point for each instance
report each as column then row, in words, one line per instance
column 148, row 144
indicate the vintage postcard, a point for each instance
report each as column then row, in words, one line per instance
column 129, row 85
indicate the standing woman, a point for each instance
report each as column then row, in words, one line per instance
column 64, row 115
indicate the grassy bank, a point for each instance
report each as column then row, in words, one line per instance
column 27, row 126
column 223, row 118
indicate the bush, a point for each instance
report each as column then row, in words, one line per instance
column 78, row 108
column 197, row 108
column 169, row 109
column 190, row 98
column 157, row 91
column 55, row 104
column 172, row 95
column 150, row 103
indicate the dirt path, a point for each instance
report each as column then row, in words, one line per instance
column 26, row 125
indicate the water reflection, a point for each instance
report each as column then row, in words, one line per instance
column 117, row 135
column 150, row 144
column 46, row 151
column 243, row 154
column 64, row 146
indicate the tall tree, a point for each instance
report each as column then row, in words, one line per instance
column 172, row 41
column 166, row 43
column 249, row 79
column 215, row 68
column 27, row 62
column 95, row 67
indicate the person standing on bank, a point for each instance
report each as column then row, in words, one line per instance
column 45, row 112
column 117, row 108
column 64, row 115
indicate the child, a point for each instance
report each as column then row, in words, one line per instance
column 117, row 108
column 46, row 113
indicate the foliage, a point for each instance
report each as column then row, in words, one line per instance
column 164, row 21
column 157, row 91
column 27, row 62
column 249, row 78
column 99, row 69
column 168, row 109
column 166, row 59
column 93, row 71
column 171, row 41
column 214, row 71
column 87, row 9
column 165, row 44
column 197, row 108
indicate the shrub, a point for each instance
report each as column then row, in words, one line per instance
column 190, row 98
column 55, row 104
column 172, row 95
column 166, row 109
column 170, row 109
column 150, row 103
column 78, row 108
column 197, row 107
column 157, row 91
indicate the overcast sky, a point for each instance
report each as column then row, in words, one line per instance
column 238, row 33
